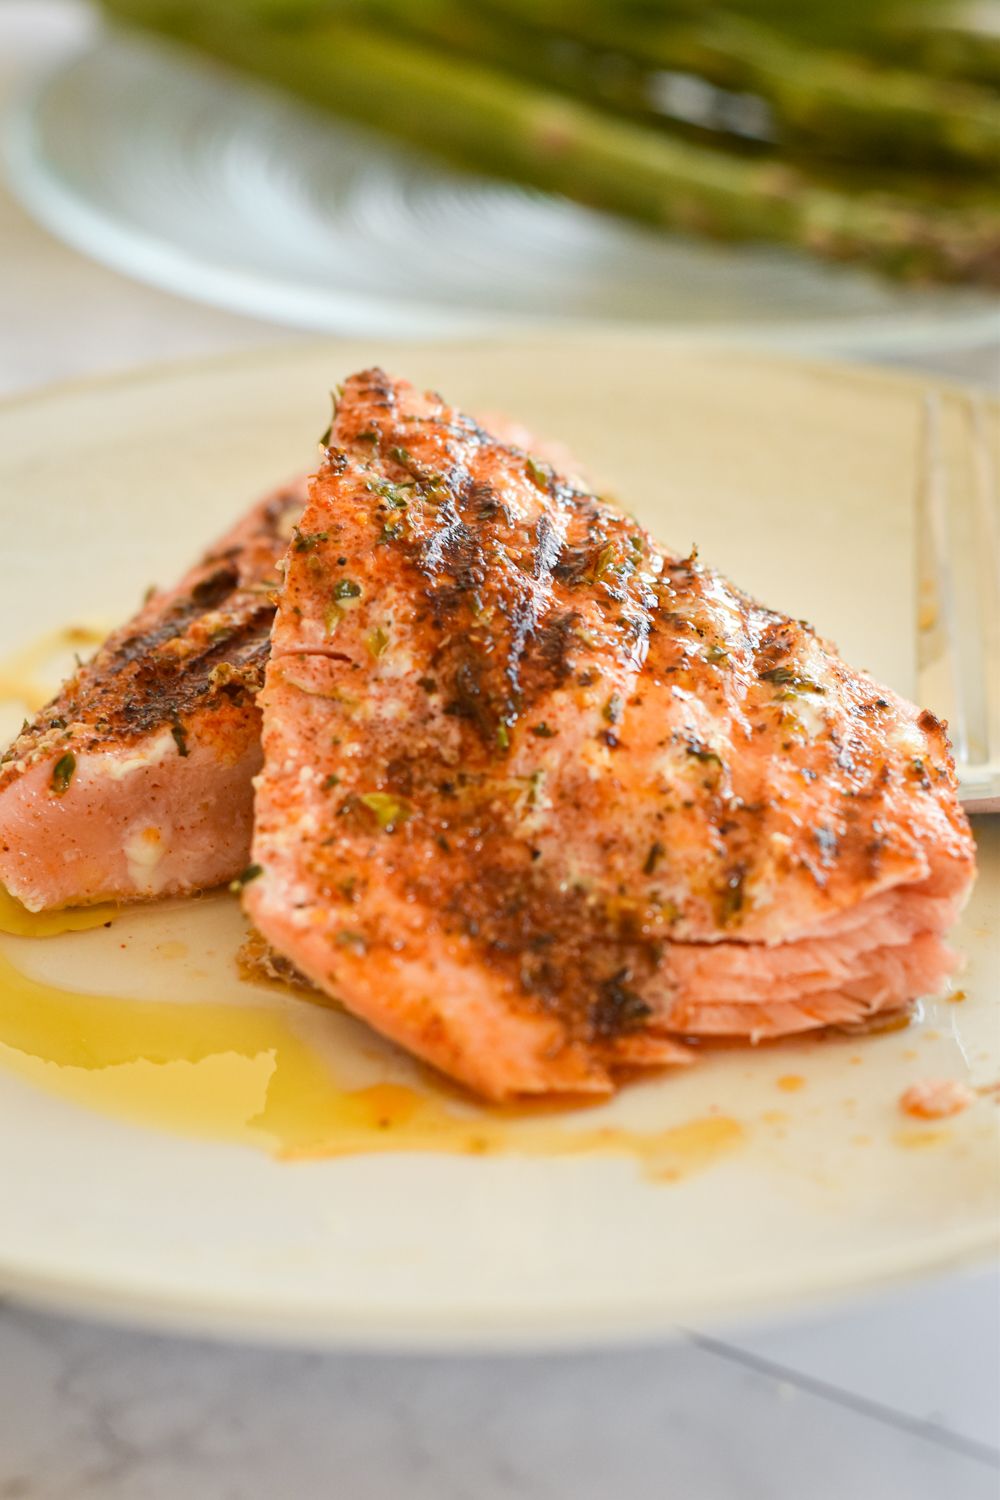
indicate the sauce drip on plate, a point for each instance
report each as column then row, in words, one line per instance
column 248, row 1073
column 30, row 677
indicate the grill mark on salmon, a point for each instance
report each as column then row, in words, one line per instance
column 542, row 799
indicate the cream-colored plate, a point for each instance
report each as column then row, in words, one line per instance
column 784, row 1172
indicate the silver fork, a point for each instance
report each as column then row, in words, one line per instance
column 958, row 650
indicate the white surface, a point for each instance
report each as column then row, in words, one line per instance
column 87, row 1412
column 938, row 1371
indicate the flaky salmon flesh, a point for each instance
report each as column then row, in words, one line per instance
column 543, row 801
column 136, row 781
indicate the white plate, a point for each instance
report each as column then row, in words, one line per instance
column 797, row 479
column 187, row 176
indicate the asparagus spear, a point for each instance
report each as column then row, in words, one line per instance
column 948, row 51
column 846, row 24
column 819, row 102
column 580, row 68
column 495, row 122
column 833, row 103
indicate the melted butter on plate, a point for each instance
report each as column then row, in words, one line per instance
column 17, row 921
column 253, row 1073
column 30, row 677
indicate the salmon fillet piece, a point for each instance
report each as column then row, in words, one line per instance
column 541, row 799
column 136, row 780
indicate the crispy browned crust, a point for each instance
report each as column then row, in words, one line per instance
column 192, row 660
column 259, row 963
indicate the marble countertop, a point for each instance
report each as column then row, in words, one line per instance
column 894, row 1398
column 897, row 1395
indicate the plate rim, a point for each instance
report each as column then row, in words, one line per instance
column 572, row 1328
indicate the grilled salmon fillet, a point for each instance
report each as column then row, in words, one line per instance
column 541, row 799
column 136, row 780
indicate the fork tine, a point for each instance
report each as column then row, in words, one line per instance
column 959, row 538
column 944, row 626
column 986, row 503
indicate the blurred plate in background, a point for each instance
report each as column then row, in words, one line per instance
column 178, row 173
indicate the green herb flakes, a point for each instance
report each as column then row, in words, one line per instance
column 389, row 811
column 392, row 494
column 346, row 588
column 355, row 940
column 308, row 541
column 377, row 642
column 731, row 897
column 62, row 772
column 540, row 477
column 605, row 558
column 791, row 681
column 701, row 752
